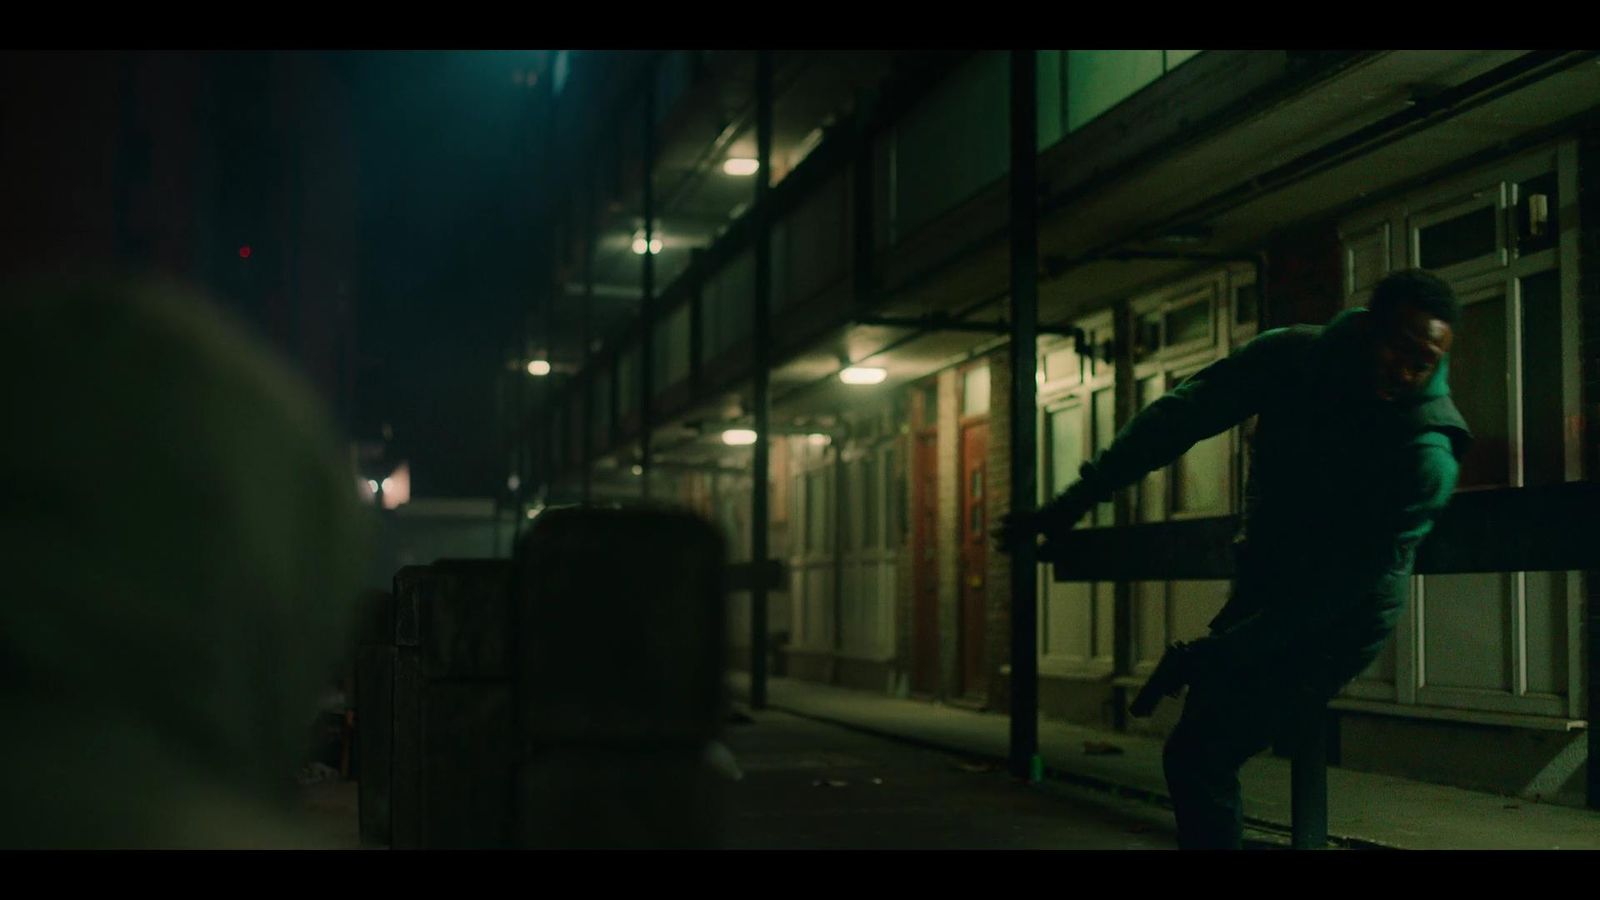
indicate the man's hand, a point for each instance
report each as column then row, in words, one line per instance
column 1017, row 529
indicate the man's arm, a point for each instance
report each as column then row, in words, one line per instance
column 1211, row 401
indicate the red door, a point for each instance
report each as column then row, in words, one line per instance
column 925, row 546
column 974, row 556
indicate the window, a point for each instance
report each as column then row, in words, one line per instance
column 869, row 502
column 1457, row 240
column 1063, row 366
column 975, row 392
column 1503, row 641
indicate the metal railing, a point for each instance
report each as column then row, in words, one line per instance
column 1550, row 528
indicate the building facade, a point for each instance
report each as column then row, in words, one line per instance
column 1186, row 201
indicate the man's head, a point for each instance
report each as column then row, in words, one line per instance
column 1414, row 316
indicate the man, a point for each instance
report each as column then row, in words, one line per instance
column 184, row 543
column 1355, row 455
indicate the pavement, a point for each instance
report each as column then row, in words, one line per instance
column 1365, row 810
column 810, row 785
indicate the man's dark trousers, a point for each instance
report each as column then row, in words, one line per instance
column 1228, row 718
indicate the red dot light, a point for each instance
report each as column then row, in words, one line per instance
column 244, row 252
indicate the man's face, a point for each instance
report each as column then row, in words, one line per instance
column 1407, row 351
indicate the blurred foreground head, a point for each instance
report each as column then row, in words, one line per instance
column 182, row 545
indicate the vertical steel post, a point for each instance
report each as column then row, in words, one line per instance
column 761, row 387
column 1592, row 622
column 647, row 294
column 585, row 383
column 1125, row 398
column 1308, row 785
column 1024, row 409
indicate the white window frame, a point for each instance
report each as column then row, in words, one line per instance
column 1497, row 274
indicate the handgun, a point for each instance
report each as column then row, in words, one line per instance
column 1173, row 672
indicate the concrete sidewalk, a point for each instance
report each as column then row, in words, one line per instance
column 1364, row 810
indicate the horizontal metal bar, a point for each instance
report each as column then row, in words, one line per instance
column 1542, row 529
column 950, row 323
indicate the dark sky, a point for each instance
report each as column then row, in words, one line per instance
column 447, row 146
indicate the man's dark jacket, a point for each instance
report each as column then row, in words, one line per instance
column 1342, row 488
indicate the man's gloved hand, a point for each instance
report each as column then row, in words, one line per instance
column 1051, row 520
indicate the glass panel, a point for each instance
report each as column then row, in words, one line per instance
column 1149, row 619
column 1068, row 618
column 1201, row 477
column 1105, row 597
column 1369, row 258
column 1062, row 365
column 802, row 507
column 1193, row 605
column 849, row 494
column 1543, row 448
column 1466, row 621
column 1066, row 448
column 934, row 172
column 1150, row 504
column 977, row 484
column 1246, row 304
column 977, row 519
column 869, row 502
column 1051, row 125
column 1105, row 426
column 1098, row 364
column 1189, row 324
column 1146, row 336
column 892, row 476
column 1547, row 632
column 1098, row 80
column 1382, row 668
column 816, row 513
column 1177, row 58
column 975, row 392
column 1459, row 239
column 1537, row 223
column 1478, row 384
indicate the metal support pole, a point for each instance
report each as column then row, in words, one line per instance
column 646, row 303
column 1024, row 409
column 762, row 388
column 1308, row 785
column 841, row 501
column 586, row 384
column 1125, row 400
column 1592, row 663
